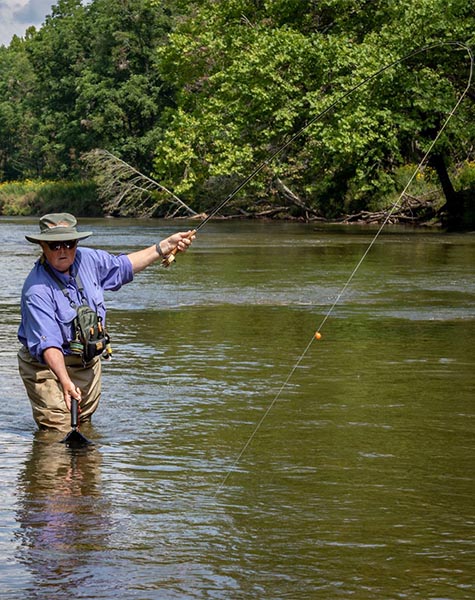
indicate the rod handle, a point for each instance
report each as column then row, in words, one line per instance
column 169, row 259
column 74, row 413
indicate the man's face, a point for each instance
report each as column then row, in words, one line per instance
column 60, row 255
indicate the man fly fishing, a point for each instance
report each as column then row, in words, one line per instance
column 63, row 316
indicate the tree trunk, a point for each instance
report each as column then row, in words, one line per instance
column 454, row 201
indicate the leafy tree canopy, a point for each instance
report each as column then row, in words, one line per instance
column 197, row 93
column 249, row 73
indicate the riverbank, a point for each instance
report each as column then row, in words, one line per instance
column 35, row 197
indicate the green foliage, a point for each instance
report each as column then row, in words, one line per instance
column 17, row 123
column 39, row 197
column 87, row 78
column 78, row 197
column 18, row 197
column 249, row 74
column 465, row 176
column 199, row 93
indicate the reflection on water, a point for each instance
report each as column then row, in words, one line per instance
column 59, row 506
column 359, row 481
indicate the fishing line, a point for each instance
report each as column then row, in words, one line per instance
column 396, row 204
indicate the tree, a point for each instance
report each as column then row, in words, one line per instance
column 96, row 85
column 199, row 93
column 249, row 73
column 17, row 124
column 56, row 53
column 120, row 91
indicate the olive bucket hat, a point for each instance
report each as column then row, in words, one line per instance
column 58, row 227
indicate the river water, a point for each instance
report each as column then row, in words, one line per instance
column 236, row 456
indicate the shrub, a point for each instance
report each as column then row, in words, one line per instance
column 24, row 198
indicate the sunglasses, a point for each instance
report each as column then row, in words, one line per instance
column 69, row 245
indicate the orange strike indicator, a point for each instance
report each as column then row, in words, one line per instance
column 318, row 335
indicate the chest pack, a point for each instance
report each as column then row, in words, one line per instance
column 90, row 337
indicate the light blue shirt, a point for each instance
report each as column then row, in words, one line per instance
column 46, row 314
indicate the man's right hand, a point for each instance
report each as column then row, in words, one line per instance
column 54, row 358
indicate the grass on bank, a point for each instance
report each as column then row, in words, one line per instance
column 36, row 197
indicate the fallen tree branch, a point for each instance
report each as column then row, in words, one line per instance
column 128, row 192
column 290, row 195
column 412, row 209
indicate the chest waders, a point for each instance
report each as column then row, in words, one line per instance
column 90, row 340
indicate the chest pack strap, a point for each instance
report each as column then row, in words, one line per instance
column 90, row 337
column 62, row 287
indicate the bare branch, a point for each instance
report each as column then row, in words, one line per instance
column 126, row 191
column 287, row 193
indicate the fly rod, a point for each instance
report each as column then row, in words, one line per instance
column 167, row 261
